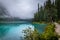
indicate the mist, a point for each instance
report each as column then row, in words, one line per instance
column 23, row 9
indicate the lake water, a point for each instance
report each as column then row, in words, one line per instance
column 13, row 31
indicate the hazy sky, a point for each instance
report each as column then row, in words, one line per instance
column 22, row 8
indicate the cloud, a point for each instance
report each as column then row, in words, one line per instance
column 22, row 8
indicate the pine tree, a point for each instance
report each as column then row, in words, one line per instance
column 48, row 10
column 36, row 15
column 41, row 14
column 58, row 8
column 47, row 13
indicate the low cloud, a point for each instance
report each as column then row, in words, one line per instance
column 22, row 8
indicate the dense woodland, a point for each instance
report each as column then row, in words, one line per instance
column 49, row 12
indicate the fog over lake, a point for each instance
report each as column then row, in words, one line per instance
column 23, row 9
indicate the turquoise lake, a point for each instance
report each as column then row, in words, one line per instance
column 13, row 31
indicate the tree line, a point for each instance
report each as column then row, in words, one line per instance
column 49, row 12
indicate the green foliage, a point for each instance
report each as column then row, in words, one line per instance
column 58, row 8
column 48, row 34
column 58, row 22
column 36, row 17
column 47, row 13
column 31, row 35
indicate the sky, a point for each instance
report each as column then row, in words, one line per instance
column 23, row 9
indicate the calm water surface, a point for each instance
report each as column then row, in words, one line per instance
column 13, row 31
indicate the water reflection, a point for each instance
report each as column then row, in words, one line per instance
column 3, row 31
column 13, row 32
